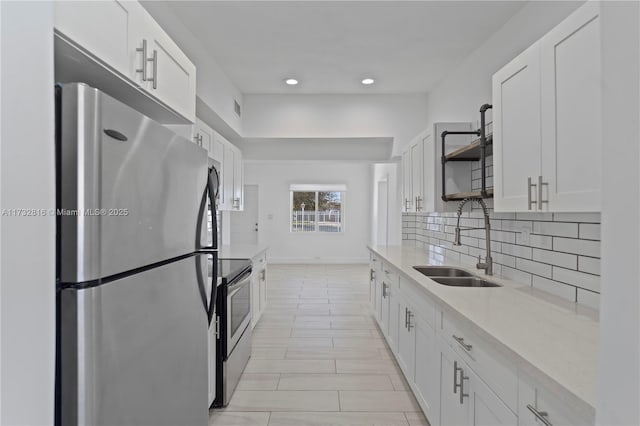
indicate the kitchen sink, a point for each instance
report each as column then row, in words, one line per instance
column 465, row 282
column 442, row 271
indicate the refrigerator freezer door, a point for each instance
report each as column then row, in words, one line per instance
column 130, row 189
column 135, row 351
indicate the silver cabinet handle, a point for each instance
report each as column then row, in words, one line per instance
column 406, row 318
column 540, row 185
column 143, row 50
column 418, row 200
column 407, row 203
column 529, row 198
column 384, row 290
column 409, row 325
column 460, row 340
column 540, row 415
column 460, row 384
column 154, row 59
column 372, row 274
column 456, row 385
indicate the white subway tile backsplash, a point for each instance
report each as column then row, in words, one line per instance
column 590, row 231
column 516, row 275
column 558, row 253
column 535, row 216
column 565, row 291
column 589, row 264
column 518, row 251
column 578, row 279
column 539, row 241
column 589, row 298
column 577, row 217
column 560, row 229
column 534, row 267
column 565, row 260
column 571, row 245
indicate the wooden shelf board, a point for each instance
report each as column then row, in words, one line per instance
column 472, row 151
column 462, row 195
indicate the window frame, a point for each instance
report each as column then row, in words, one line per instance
column 317, row 189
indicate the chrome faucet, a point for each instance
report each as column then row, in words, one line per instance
column 487, row 265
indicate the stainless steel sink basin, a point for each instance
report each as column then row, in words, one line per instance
column 442, row 271
column 465, row 282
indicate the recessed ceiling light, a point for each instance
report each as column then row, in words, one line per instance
column 367, row 81
column 291, row 81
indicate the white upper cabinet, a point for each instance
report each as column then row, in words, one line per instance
column 547, row 121
column 516, row 131
column 412, row 176
column 232, row 176
column 571, row 112
column 102, row 28
column 123, row 37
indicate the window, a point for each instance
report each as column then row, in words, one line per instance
column 317, row 208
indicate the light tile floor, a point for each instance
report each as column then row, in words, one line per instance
column 318, row 357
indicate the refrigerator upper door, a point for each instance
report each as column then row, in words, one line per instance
column 134, row 351
column 130, row 189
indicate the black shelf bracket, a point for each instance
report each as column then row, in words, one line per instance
column 481, row 132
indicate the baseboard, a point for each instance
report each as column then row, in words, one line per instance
column 316, row 261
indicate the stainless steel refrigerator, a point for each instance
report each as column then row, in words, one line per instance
column 135, row 296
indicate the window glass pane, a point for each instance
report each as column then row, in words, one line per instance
column 330, row 211
column 303, row 214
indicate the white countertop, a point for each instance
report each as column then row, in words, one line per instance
column 555, row 342
column 240, row 251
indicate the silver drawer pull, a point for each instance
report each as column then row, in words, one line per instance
column 540, row 415
column 460, row 340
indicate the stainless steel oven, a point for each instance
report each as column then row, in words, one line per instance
column 234, row 325
column 238, row 310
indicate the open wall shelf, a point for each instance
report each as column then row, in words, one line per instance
column 477, row 150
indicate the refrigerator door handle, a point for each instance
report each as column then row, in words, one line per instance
column 213, row 193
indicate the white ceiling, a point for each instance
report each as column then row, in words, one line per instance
column 407, row 46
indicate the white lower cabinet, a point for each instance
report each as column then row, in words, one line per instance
column 406, row 354
column 537, row 403
column 457, row 376
column 427, row 370
column 465, row 398
column 258, row 287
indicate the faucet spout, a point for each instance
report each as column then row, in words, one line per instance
column 487, row 265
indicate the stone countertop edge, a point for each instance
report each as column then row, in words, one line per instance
column 241, row 251
column 526, row 325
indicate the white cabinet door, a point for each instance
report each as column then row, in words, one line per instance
column 238, row 181
column 427, row 370
column 571, row 112
column 171, row 76
column 384, row 308
column 394, row 311
column 516, row 134
column 407, row 191
column 453, row 411
column 372, row 285
column 226, row 187
column 406, row 340
column 204, row 136
column 217, row 148
column 263, row 288
column 101, row 28
column 488, row 409
column 417, row 166
column 255, row 298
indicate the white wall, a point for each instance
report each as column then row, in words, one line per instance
column 213, row 86
column 458, row 97
column 334, row 116
column 27, row 262
column 390, row 172
column 619, row 371
column 273, row 180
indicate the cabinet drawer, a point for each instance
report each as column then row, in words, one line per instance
column 390, row 275
column 493, row 367
column 376, row 262
column 536, row 400
column 425, row 308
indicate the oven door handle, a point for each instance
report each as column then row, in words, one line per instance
column 240, row 282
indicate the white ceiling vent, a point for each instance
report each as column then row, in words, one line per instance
column 236, row 108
